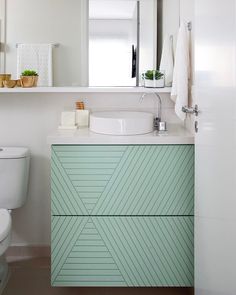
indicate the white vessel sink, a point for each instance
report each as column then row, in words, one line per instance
column 121, row 123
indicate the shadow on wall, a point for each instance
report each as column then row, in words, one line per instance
column 37, row 207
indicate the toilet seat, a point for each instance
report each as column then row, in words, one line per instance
column 5, row 224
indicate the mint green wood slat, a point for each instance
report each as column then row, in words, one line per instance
column 88, row 148
column 100, row 165
column 164, row 178
column 91, row 160
column 93, row 154
column 90, row 248
column 137, row 180
column 132, row 251
column 81, row 273
column 90, row 177
column 64, row 192
column 89, row 189
column 87, row 278
column 97, row 283
column 86, row 172
column 91, row 266
column 90, row 243
column 63, row 241
column 89, row 183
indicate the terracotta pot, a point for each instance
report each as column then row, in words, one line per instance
column 4, row 77
column 28, row 81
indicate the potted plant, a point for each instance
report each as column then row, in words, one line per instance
column 3, row 78
column 29, row 78
column 153, row 79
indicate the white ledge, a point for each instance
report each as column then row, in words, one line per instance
column 85, row 90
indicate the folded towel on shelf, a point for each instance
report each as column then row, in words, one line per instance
column 180, row 86
column 36, row 57
column 167, row 60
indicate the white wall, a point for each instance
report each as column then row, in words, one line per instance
column 27, row 120
column 47, row 21
column 171, row 19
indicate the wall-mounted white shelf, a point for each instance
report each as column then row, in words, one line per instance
column 85, row 90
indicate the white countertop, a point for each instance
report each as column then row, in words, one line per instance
column 176, row 134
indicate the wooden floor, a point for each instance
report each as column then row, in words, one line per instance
column 32, row 277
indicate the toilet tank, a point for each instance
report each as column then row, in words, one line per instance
column 14, row 175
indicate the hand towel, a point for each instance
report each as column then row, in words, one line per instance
column 179, row 93
column 36, row 57
column 167, row 60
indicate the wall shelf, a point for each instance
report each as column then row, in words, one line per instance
column 85, row 90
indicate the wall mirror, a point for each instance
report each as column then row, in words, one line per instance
column 94, row 42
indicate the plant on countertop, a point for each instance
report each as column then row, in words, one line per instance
column 152, row 75
column 28, row 73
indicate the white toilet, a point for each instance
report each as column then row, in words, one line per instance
column 14, row 174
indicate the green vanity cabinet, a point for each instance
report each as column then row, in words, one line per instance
column 122, row 215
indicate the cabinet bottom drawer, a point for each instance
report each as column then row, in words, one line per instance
column 122, row 251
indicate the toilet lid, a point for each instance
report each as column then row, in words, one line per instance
column 5, row 223
column 13, row 152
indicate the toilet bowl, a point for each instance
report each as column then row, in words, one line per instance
column 5, row 239
column 5, row 230
column 14, row 173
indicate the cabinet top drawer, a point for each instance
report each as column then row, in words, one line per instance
column 122, row 180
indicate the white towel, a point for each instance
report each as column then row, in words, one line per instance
column 179, row 93
column 36, row 57
column 167, row 60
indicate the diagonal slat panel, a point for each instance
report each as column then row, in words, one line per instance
column 63, row 240
column 123, row 180
column 79, row 175
column 63, row 191
column 153, row 180
column 122, row 251
column 87, row 263
column 150, row 251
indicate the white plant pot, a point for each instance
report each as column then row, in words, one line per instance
column 154, row 83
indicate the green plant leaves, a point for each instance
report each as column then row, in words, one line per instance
column 29, row 73
column 152, row 75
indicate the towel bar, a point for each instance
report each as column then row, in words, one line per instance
column 54, row 45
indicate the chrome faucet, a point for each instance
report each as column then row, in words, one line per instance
column 158, row 123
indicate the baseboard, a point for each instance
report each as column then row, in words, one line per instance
column 23, row 252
